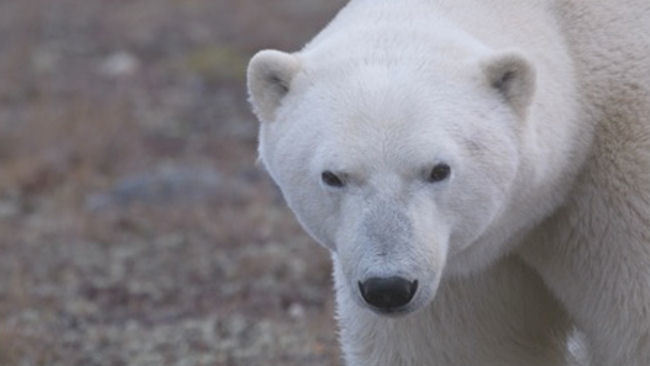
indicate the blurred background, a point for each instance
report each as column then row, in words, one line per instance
column 135, row 227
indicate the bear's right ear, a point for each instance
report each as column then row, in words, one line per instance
column 269, row 79
column 514, row 77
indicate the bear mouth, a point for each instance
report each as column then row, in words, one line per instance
column 392, row 312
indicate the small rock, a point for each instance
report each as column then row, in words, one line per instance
column 120, row 64
column 296, row 311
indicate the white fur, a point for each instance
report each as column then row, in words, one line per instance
column 594, row 252
column 541, row 109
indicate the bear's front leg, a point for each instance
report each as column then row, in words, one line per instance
column 503, row 316
column 595, row 256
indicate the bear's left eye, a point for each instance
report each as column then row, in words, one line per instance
column 439, row 173
column 332, row 179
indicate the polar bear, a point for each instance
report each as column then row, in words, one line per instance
column 480, row 171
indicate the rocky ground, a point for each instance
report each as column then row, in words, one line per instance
column 135, row 227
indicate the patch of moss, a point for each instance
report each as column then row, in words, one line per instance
column 218, row 63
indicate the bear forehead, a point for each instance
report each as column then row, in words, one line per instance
column 381, row 104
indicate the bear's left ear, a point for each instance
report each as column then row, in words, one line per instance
column 269, row 79
column 512, row 75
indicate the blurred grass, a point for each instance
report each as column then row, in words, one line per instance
column 214, row 63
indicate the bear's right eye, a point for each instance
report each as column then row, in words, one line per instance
column 332, row 179
column 439, row 173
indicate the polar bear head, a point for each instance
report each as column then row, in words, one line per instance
column 398, row 168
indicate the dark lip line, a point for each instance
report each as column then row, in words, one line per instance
column 393, row 312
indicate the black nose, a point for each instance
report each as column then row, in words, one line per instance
column 388, row 293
